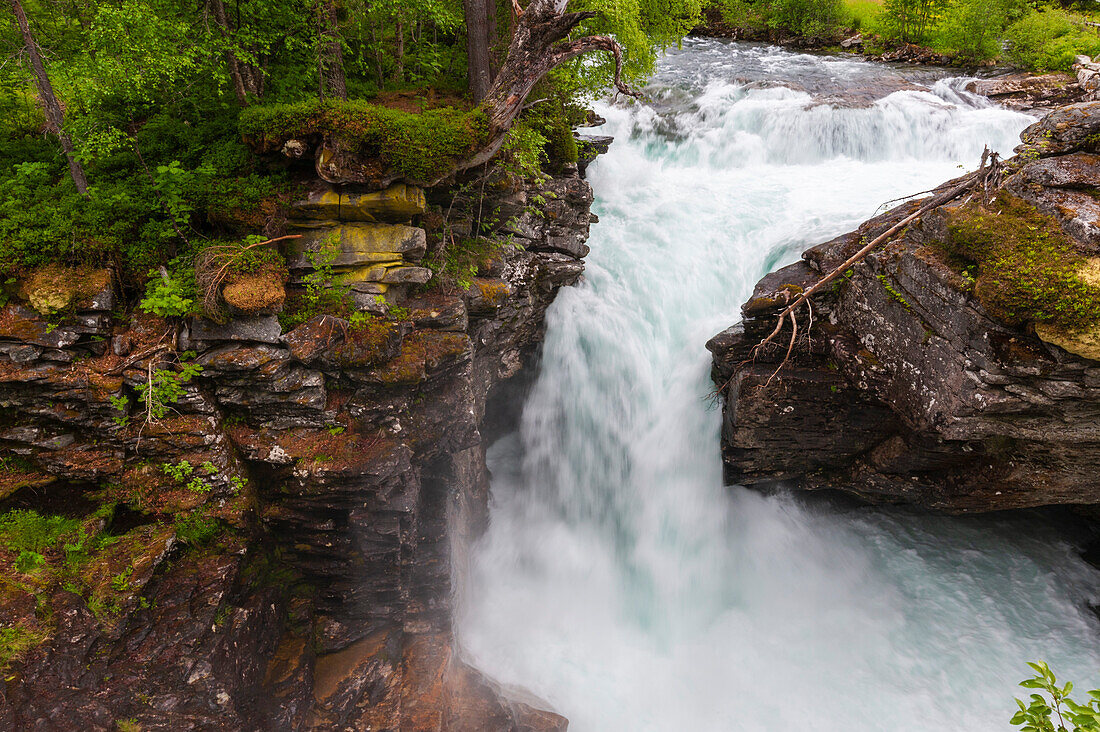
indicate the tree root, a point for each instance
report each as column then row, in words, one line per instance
column 986, row 180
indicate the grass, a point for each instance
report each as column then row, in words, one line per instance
column 863, row 15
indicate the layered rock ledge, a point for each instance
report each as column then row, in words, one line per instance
column 274, row 551
column 915, row 382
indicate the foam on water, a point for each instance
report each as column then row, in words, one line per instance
column 619, row 579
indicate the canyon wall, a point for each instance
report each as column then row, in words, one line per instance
column 273, row 550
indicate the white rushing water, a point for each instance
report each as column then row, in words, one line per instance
column 620, row 580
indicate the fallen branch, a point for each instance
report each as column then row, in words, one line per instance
column 985, row 179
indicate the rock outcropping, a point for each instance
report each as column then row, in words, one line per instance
column 273, row 550
column 914, row 383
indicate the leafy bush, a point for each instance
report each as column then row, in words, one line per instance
column 800, row 17
column 1048, row 40
column 1040, row 712
column 910, row 21
column 170, row 293
column 971, row 29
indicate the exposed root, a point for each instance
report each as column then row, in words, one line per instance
column 212, row 266
column 984, row 181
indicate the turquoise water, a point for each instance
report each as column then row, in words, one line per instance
column 620, row 580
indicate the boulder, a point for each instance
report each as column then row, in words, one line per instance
column 1064, row 130
column 359, row 243
column 396, row 204
column 260, row 329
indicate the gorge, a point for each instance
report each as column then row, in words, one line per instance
column 513, row 502
column 619, row 580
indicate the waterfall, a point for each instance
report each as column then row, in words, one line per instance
column 619, row 579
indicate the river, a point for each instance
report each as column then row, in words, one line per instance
column 620, row 580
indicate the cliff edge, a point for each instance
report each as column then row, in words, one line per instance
column 956, row 367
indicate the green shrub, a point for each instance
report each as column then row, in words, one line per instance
column 910, row 21
column 171, row 293
column 971, row 30
column 811, row 18
column 1047, row 40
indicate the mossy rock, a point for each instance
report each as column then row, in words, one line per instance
column 1028, row 269
column 369, row 143
column 1084, row 343
column 54, row 288
column 255, row 293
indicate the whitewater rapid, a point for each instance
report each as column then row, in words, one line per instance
column 620, row 581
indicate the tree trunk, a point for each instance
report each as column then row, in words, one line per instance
column 477, row 46
column 55, row 119
column 330, row 53
column 217, row 7
column 399, row 48
column 538, row 46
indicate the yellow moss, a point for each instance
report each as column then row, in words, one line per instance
column 53, row 287
column 494, row 292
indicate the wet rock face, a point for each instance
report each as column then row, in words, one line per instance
column 347, row 461
column 907, row 389
column 1028, row 92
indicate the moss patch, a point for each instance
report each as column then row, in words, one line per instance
column 54, row 288
column 418, row 146
column 1028, row 269
column 16, row 641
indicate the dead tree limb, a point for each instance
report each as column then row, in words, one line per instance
column 986, row 179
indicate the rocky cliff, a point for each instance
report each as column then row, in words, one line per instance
column 957, row 366
column 240, row 526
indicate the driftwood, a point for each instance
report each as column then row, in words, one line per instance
column 986, row 179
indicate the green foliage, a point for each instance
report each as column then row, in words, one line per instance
column 1028, row 269
column 521, row 154
column 863, row 15
column 1049, row 39
column 971, row 30
column 807, row 18
column 164, row 388
column 28, row 531
column 456, row 264
column 644, row 28
column 15, row 640
column 196, row 529
column 323, row 292
column 910, row 21
column 420, row 147
column 1057, row 709
column 171, row 293
column 183, row 472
